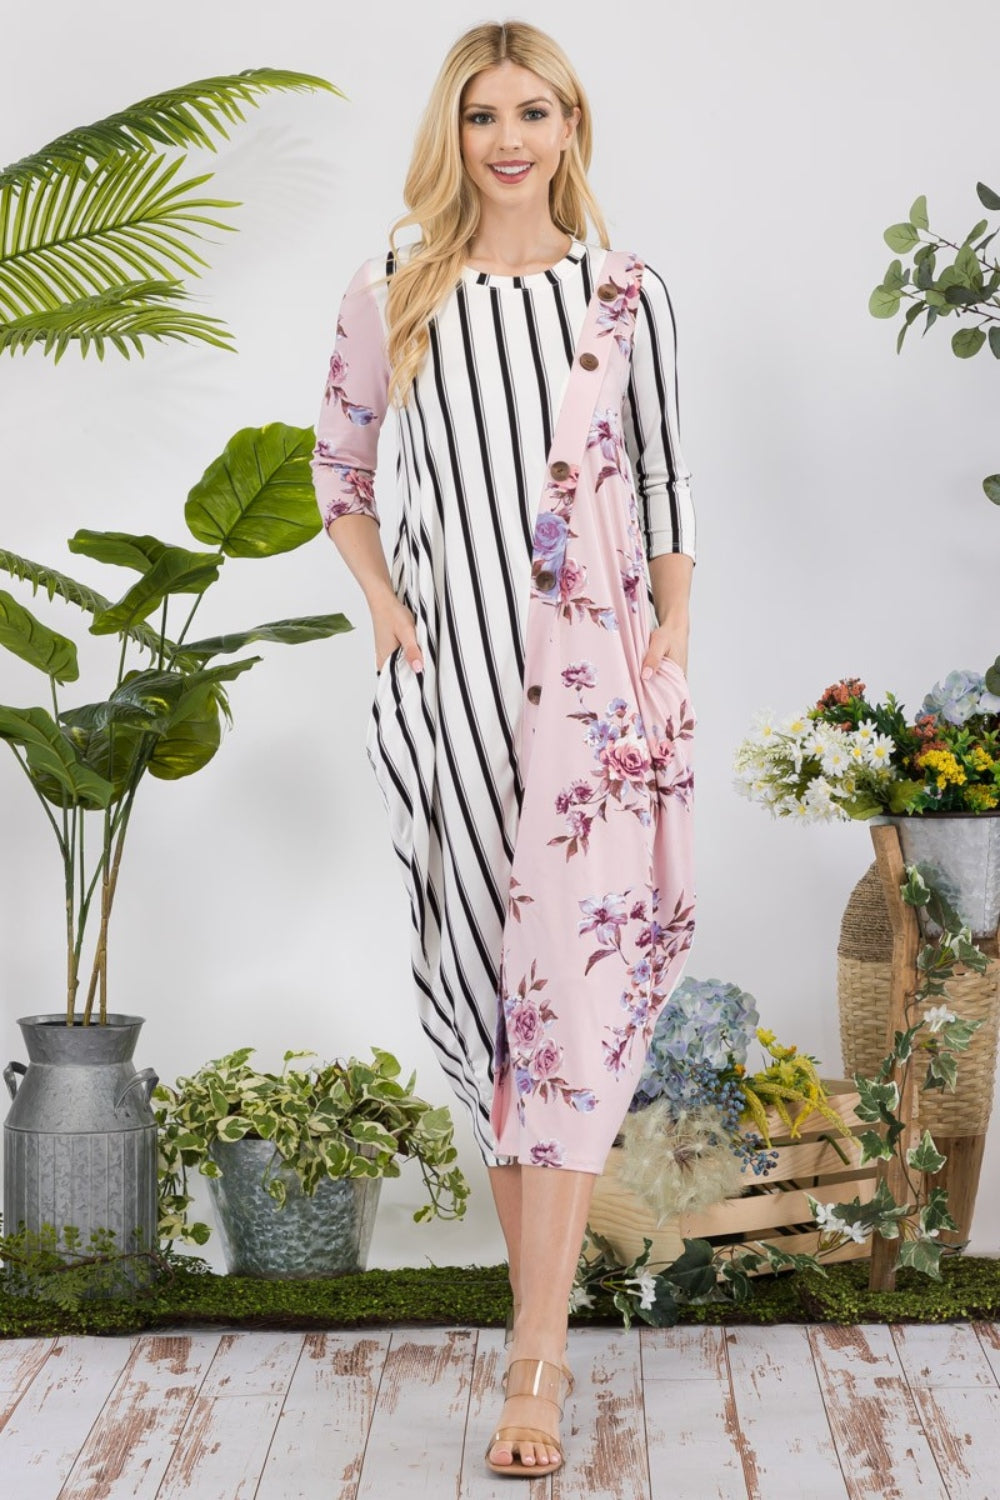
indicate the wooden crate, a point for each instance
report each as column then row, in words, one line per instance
column 773, row 1208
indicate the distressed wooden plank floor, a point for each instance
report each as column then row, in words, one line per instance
column 824, row 1412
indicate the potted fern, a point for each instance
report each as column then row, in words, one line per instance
column 295, row 1160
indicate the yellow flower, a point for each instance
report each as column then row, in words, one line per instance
column 945, row 764
column 979, row 759
column 764, row 1036
column 981, row 798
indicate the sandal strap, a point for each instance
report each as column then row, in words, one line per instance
column 540, row 1378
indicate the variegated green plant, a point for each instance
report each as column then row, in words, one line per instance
column 164, row 712
column 93, row 224
column 966, row 283
column 319, row 1119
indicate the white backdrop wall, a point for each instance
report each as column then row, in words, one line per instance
column 753, row 154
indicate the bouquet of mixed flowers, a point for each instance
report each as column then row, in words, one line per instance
column 849, row 758
column 697, row 1121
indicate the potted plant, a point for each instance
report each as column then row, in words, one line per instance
column 936, row 778
column 295, row 1160
column 85, row 764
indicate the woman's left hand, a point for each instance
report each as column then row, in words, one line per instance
column 669, row 639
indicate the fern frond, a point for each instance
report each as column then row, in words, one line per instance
column 69, row 238
column 80, row 594
column 170, row 118
column 120, row 314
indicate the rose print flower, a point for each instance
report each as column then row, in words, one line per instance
column 625, row 760
column 572, row 578
column 618, row 706
column 548, row 1154
column 546, row 1059
column 603, row 916
column 580, row 674
column 524, row 1025
column 598, row 734
column 550, row 535
column 584, row 1100
column 336, row 375
column 581, row 791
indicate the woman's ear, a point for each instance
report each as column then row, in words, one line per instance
column 572, row 121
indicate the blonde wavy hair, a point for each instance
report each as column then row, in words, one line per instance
column 445, row 204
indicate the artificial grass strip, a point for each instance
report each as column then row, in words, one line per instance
column 479, row 1296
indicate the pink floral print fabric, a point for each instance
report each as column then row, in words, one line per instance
column 600, row 916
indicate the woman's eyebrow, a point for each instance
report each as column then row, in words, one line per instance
column 523, row 105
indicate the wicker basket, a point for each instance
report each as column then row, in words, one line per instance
column 773, row 1208
column 864, row 970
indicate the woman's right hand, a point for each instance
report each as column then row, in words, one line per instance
column 393, row 626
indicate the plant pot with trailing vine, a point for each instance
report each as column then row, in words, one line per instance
column 80, row 1138
column 295, row 1160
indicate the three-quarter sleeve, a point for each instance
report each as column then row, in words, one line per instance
column 652, row 426
column 353, row 407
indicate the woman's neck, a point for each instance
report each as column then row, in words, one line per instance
column 515, row 247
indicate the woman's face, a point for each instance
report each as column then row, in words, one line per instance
column 513, row 134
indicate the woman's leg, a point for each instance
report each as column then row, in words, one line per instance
column 554, row 1204
column 506, row 1185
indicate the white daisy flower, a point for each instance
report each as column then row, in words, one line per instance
column 880, row 750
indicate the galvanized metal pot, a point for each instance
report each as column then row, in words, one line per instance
column 960, row 854
column 80, row 1139
column 326, row 1235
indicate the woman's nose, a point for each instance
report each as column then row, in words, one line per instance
column 510, row 133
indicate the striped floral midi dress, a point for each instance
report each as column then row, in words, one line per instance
column 539, row 792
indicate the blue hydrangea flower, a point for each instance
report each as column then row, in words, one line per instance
column 706, row 1025
column 962, row 694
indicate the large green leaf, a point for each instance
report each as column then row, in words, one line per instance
column 257, row 498
column 193, row 737
column 80, row 594
column 35, row 643
column 176, row 571
column 49, row 752
column 121, row 548
column 289, row 632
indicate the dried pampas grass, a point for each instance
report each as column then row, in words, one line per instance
column 673, row 1164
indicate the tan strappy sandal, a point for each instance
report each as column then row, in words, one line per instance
column 549, row 1382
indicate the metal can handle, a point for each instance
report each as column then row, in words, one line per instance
column 146, row 1076
column 10, row 1073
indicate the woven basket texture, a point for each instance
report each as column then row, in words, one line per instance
column 864, row 971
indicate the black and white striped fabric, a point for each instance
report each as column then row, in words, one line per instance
column 472, row 447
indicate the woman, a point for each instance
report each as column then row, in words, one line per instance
column 531, row 726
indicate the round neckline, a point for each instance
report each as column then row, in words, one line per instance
column 560, row 268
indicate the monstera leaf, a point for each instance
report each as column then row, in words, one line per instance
column 257, row 498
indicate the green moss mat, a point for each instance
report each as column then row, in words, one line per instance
column 479, row 1296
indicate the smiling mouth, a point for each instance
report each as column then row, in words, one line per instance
column 511, row 171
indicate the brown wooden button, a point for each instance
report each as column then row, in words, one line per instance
column 534, row 693
column 545, row 581
column 607, row 291
column 589, row 361
column 560, row 469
